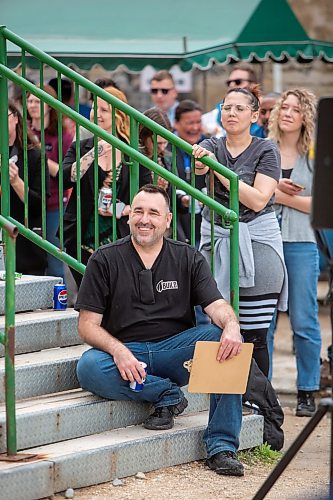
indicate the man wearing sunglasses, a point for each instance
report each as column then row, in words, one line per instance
column 242, row 76
column 136, row 304
column 164, row 94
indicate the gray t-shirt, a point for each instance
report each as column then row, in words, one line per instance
column 261, row 156
column 296, row 225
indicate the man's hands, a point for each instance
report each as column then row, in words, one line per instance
column 223, row 316
column 91, row 332
column 231, row 342
column 129, row 367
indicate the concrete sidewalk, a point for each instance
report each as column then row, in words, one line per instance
column 284, row 365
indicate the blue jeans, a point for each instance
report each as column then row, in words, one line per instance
column 201, row 317
column 55, row 267
column 98, row 374
column 302, row 262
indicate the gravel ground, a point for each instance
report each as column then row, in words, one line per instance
column 306, row 477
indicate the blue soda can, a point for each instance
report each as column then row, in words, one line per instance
column 59, row 297
column 135, row 386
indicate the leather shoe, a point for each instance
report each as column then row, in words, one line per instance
column 163, row 416
column 306, row 405
column 226, row 463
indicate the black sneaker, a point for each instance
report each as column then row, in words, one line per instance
column 226, row 463
column 179, row 407
column 306, row 405
column 163, row 416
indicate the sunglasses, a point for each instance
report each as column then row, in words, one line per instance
column 164, row 91
column 238, row 81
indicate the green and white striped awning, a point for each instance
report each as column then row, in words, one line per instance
column 161, row 33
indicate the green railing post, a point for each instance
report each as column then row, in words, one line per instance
column 9, row 337
column 25, row 145
column 4, row 152
column 10, row 345
column 134, row 173
column 10, row 233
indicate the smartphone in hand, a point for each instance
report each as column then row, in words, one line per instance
column 119, row 209
column 297, row 186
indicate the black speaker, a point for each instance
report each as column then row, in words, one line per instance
column 322, row 207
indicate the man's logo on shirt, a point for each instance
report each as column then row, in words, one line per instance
column 166, row 285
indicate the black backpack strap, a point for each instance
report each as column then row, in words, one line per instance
column 260, row 394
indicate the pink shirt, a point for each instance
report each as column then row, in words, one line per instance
column 51, row 151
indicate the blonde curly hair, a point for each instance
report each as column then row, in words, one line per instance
column 121, row 119
column 308, row 105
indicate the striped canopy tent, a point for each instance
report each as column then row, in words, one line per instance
column 161, row 33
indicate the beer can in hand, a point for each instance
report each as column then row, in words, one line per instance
column 59, row 297
column 105, row 199
column 135, row 386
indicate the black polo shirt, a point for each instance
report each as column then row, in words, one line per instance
column 146, row 305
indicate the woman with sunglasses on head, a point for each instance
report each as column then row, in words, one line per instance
column 257, row 163
column 30, row 259
column 105, row 177
column 291, row 127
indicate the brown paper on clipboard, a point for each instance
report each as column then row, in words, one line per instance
column 210, row 376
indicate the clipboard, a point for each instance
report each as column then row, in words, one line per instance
column 210, row 376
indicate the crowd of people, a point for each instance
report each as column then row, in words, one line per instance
column 124, row 316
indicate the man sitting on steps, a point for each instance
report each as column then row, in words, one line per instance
column 136, row 304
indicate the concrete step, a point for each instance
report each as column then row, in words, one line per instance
column 73, row 414
column 117, row 453
column 43, row 329
column 31, row 292
column 44, row 372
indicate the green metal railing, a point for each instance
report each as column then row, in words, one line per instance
column 7, row 338
column 130, row 154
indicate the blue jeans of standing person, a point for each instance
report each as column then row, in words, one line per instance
column 302, row 262
column 55, row 267
column 166, row 373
